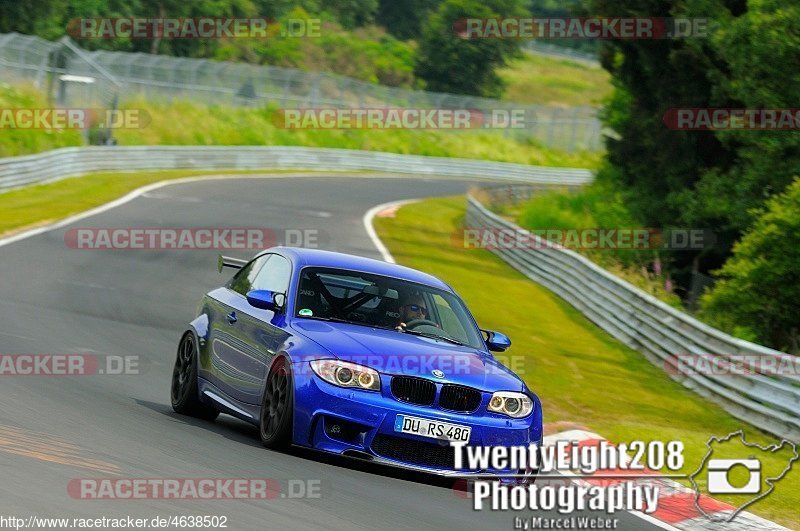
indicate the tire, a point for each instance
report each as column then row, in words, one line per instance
column 183, row 391
column 277, row 406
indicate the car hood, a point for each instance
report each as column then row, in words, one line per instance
column 392, row 352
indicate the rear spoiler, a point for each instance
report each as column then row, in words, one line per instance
column 227, row 261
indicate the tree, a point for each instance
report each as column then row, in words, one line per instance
column 759, row 292
column 651, row 76
column 702, row 179
column 33, row 17
column 752, row 52
column 449, row 63
column 405, row 18
column 352, row 13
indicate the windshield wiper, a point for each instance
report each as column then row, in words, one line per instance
column 432, row 336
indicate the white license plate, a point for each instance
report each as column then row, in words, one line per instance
column 444, row 431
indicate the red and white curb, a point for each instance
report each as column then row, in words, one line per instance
column 676, row 502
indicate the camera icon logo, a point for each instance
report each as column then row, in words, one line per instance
column 719, row 481
column 738, row 468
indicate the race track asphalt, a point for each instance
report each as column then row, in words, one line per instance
column 54, row 429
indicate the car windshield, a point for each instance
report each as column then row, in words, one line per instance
column 384, row 302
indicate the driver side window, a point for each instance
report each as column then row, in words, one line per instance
column 274, row 275
column 243, row 281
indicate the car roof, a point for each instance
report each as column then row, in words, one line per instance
column 303, row 257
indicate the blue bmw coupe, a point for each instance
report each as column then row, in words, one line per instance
column 351, row 356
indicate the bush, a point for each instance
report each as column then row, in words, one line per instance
column 366, row 53
column 759, row 289
column 595, row 206
column 598, row 205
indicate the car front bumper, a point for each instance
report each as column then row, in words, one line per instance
column 361, row 424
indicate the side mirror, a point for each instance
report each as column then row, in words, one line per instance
column 496, row 341
column 266, row 300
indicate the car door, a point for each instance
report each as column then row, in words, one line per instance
column 266, row 329
column 262, row 331
column 231, row 356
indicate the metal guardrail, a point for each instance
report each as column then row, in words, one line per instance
column 560, row 52
column 68, row 162
column 768, row 401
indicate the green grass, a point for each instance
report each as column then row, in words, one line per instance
column 595, row 206
column 190, row 123
column 581, row 374
column 36, row 205
column 544, row 80
column 21, row 142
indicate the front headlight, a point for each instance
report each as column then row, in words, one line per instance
column 345, row 374
column 515, row 405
